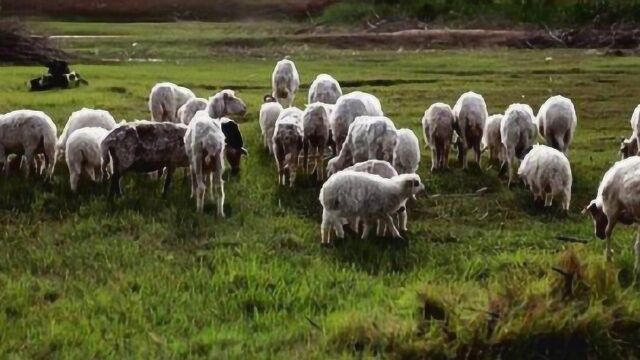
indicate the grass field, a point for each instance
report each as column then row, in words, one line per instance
column 146, row 277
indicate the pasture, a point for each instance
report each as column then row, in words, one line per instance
column 82, row 276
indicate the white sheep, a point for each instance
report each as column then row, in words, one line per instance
column 225, row 103
column 347, row 109
column 517, row 132
column 190, row 108
column 316, row 130
column 350, row 194
column 471, row 114
column 205, row 147
column 557, row 122
column 269, row 113
column 324, row 89
column 406, row 155
column 28, row 133
column 437, row 127
column 165, row 99
column 369, row 137
column 547, row 173
column 81, row 119
column 287, row 143
column 285, row 82
column 83, row 152
column 629, row 147
column 491, row 139
column 618, row 200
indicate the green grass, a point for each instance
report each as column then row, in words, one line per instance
column 146, row 277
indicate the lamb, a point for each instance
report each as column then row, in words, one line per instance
column 81, row 119
column 225, row 103
column 547, row 173
column 144, row 146
column 517, row 132
column 385, row 170
column 491, row 139
column 165, row 99
column 315, row 129
column 471, row 114
column 617, row 201
column 347, row 109
column 406, row 155
column 350, row 194
column 557, row 122
column 287, row 143
column 369, row 137
column 204, row 143
column 437, row 127
column 285, row 82
column 28, row 133
column 324, row 89
column 269, row 112
column 83, row 152
column 190, row 108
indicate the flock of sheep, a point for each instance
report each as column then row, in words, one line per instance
column 371, row 173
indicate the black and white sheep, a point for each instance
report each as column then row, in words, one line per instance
column 165, row 99
column 347, row 109
column 83, row 153
column 369, row 137
column 204, row 143
column 28, row 133
column 471, row 114
column 285, row 82
column 324, row 89
column 517, row 132
column 144, row 146
column 557, row 122
column 351, row 194
column 547, row 173
column 618, row 200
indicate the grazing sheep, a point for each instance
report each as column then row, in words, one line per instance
column 471, row 113
column 81, row 119
column 190, row 108
column 385, row 170
column 547, row 173
column 369, row 137
column 269, row 112
column 347, row 109
column 350, row 194
column 315, row 128
column 144, row 146
column 285, row 82
column 165, row 100
column 517, row 132
column 557, row 122
column 287, row 143
column 225, row 103
column 617, row 201
column 204, row 143
column 491, row 139
column 83, row 152
column 437, row 127
column 28, row 133
column 234, row 144
column 324, row 89
column 406, row 155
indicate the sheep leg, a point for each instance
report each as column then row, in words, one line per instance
column 366, row 229
column 402, row 217
column 219, row 184
column 548, row 199
column 305, row 156
column 478, row 153
column 636, row 248
column 4, row 165
column 566, row 199
column 325, row 228
column 293, row 166
column 609, row 251
column 167, row 181
column 91, row 172
column 208, row 185
column 98, row 172
column 444, row 159
column 194, row 183
column 29, row 155
column 434, row 160
column 389, row 222
column 115, row 185
column 74, row 177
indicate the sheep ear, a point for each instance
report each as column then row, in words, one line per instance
column 589, row 208
column 244, row 152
